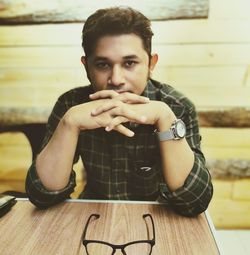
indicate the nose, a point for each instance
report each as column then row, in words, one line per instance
column 117, row 76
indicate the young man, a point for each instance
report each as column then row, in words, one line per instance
column 138, row 138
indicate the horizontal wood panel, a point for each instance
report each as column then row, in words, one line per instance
column 237, row 117
column 16, row 157
column 226, row 137
column 12, row 185
column 203, row 55
column 229, row 169
column 169, row 55
column 247, row 77
column 228, row 213
column 40, row 77
column 233, row 9
column 204, row 76
column 215, row 137
column 78, row 190
column 30, row 96
column 12, row 116
column 17, row 144
column 15, row 162
column 241, row 190
column 13, row 139
column 203, row 31
column 26, row 12
column 46, row 57
column 222, row 188
column 180, row 76
column 226, row 152
column 216, row 97
column 202, row 97
column 165, row 32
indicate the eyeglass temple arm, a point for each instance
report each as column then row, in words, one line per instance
column 152, row 222
column 87, row 224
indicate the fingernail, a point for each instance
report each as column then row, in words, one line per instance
column 131, row 134
column 93, row 112
column 107, row 128
column 143, row 118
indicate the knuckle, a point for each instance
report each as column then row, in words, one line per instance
column 113, row 93
column 126, row 95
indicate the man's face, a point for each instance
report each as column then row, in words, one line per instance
column 119, row 62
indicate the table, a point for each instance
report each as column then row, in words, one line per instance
column 58, row 230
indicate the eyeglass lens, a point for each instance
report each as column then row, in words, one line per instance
column 132, row 249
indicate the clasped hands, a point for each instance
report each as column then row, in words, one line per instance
column 110, row 110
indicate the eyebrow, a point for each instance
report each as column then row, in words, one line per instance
column 131, row 57
column 100, row 58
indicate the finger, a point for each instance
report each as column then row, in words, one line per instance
column 123, row 130
column 129, row 114
column 132, row 98
column 105, row 107
column 103, row 94
column 115, row 122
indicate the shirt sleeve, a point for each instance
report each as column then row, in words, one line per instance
column 194, row 196
column 36, row 192
column 40, row 196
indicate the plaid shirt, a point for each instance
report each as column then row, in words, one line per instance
column 124, row 168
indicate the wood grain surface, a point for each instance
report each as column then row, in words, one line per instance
column 27, row 230
column 62, row 11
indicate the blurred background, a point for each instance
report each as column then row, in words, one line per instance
column 204, row 51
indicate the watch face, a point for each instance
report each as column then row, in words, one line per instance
column 180, row 128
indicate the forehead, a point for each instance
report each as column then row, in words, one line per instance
column 119, row 46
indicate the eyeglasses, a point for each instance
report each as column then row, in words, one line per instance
column 143, row 247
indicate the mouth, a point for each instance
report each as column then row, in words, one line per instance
column 120, row 91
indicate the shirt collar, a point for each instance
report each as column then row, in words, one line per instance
column 150, row 91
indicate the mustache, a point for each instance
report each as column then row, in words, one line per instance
column 114, row 87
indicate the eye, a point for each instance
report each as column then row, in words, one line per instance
column 130, row 63
column 102, row 65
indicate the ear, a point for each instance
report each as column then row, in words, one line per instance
column 153, row 61
column 84, row 60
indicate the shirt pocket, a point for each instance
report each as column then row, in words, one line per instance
column 143, row 180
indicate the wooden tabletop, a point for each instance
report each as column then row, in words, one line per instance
column 58, row 230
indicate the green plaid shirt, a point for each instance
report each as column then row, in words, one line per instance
column 123, row 168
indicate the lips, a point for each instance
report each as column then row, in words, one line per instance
column 121, row 91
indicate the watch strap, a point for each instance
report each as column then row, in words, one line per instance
column 166, row 135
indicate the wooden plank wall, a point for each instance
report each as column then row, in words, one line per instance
column 207, row 59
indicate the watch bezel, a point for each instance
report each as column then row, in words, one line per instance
column 176, row 131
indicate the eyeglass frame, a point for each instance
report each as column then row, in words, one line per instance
column 122, row 247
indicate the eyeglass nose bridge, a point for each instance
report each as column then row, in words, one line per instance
column 121, row 248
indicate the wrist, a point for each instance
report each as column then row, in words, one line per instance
column 166, row 118
column 70, row 122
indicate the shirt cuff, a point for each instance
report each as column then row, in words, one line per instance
column 194, row 196
column 42, row 197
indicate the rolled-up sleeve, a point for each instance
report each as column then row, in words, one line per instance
column 40, row 196
column 194, row 196
column 35, row 190
column 196, row 193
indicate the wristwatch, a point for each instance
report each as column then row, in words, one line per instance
column 176, row 132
